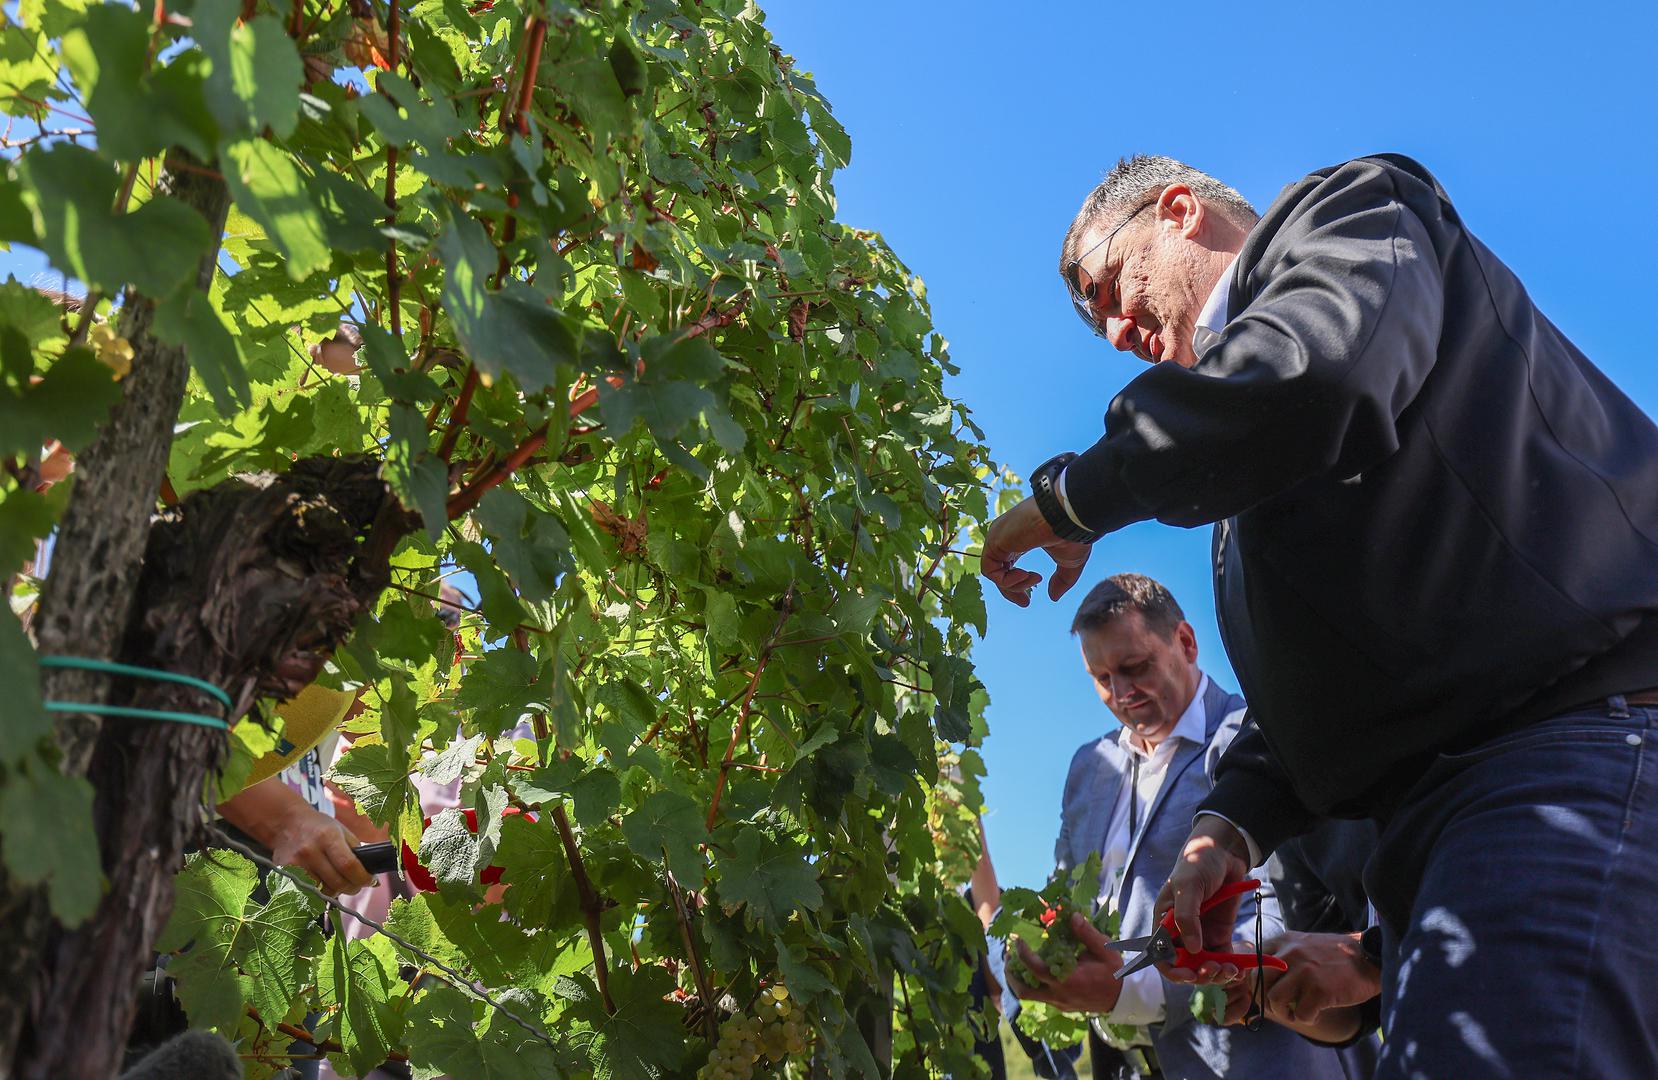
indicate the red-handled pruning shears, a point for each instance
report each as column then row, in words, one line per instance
column 1164, row 946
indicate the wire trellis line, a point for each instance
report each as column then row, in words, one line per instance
column 449, row 974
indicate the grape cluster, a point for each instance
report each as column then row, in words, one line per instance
column 775, row 1031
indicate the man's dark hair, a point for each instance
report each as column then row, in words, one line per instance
column 1121, row 593
column 1136, row 180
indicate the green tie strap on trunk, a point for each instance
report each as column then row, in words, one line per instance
column 111, row 668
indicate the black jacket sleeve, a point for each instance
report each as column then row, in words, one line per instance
column 1340, row 328
column 1253, row 792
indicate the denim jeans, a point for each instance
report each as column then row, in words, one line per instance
column 1517, row 886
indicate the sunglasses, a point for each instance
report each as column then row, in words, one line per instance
column 1082, row 284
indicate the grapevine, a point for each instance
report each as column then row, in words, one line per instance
column 681, row 433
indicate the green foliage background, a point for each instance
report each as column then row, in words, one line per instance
column 723, row 597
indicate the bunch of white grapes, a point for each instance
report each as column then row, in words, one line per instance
column 775, row 1031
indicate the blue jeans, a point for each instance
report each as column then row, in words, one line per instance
column 1517, row 886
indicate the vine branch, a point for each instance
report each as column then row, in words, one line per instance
column 590, row 907
column 740, row 725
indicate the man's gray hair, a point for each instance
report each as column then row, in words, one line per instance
column 1135, row 181
column 1121, row 593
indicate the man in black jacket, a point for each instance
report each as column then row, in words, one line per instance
column 1436, row 574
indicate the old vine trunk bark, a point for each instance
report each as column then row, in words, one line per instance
column 250, row 586
column 88, row 596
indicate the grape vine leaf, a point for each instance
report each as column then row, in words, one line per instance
column 669, row 822
column 238, row 950
column 156, row 248
column 510, row 330
column 374, row 777
column 360, row 982
column 267, row 186
column 67, row 403
column 449, row 849
column 447, row 1036
column 770, row 877
column 48, row 837
column 636, row 1042
column 188, row 318
column 139, row 109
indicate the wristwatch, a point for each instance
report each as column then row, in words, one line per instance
column 1047, row 500
column 1370, row 944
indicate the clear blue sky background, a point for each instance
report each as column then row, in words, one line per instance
column 977, row 128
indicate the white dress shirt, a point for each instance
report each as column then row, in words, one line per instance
column 1142, row 1000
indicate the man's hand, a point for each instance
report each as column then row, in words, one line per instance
column 1018, row 531
column 1215, row 855
column 298, row 834
column 1329, row 978
column 1092, row 988
column 321, row 847
column 1327, row 971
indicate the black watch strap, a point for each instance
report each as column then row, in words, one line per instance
column 1047, row 501
column 1370, row 943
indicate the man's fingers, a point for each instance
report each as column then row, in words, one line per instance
column 1298, row 996
column 1094, row 941
column 349, row 873
column 1016, row 584
column 1034, row 964
column 1060, row 582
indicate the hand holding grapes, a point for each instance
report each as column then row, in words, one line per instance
column 1092, row 987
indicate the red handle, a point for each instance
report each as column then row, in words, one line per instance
column 1227, row 892
column 1184, row 959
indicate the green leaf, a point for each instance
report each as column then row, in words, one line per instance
column 53, row 18
column 278, row 949
column 772, row 878
column 1209, row 1005
column 669, row 823
column 27, row 71
column 155, row 248
column 418, row 476
column 375, row 777
column 238, row 949
column 454, row 1034
column 449, row 849
column 265, row 74
column 269, row 189
column 541, row 891
column 359, row 980
column 47, row 837
column 26, row 720
column 643, row 1038
column 446, row 766
column 510, row 331
column 188, row 318
column 721, row 616
column 140, row 109
column 530, row 544
column 72, row 398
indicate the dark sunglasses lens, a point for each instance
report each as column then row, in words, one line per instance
column 1082, row 283
column 1085, row 311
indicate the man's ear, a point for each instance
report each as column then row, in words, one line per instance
column 1186, row 638
column 1180, row 209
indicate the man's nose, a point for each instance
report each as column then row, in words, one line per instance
column 1121, row 332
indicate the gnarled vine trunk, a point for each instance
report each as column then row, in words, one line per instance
column 100, row 546
column 249, row 585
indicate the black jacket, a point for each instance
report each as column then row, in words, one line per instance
column 1443, row 517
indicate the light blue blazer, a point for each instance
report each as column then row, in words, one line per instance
column 1186, row 1049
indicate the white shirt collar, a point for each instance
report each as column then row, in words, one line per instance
column 1191, row 726
column 1216, row 312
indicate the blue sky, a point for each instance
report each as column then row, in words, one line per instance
column 977, row 129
